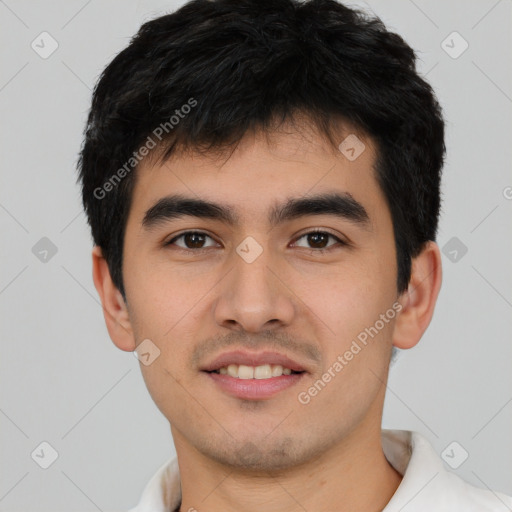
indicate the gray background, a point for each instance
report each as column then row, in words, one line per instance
column 63, row 380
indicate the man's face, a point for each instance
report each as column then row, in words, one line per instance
column 260, row 288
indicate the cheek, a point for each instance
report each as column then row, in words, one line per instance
column 355, row 314
column 164, row 313
column 163, row 297
column 344, row 299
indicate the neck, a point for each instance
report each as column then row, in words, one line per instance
column 351, row 476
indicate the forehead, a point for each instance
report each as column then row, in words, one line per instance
column 264, row 170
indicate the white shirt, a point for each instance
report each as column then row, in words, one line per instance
column 427, row 486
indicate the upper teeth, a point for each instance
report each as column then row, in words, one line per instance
column 265, row 371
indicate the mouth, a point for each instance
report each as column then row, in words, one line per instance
column 252, row 376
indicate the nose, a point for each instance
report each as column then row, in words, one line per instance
column 255, row 296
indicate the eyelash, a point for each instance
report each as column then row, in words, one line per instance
column 313, row 251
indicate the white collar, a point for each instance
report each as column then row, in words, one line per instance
column 426, row 484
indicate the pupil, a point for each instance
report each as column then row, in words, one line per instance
column 314, row 239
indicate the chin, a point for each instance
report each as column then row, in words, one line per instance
column 259, row 456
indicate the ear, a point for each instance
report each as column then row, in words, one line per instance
column 115, row 311
column 419, row 300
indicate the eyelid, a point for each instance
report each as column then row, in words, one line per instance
column 309, row 231
column 187, row 232
column 326, row 231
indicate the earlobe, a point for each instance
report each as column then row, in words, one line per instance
column 419, row 300
column 116, row 314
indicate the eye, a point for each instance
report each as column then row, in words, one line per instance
column 318, row 240
column 191, row 240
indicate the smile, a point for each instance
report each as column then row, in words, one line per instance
column 265, row 371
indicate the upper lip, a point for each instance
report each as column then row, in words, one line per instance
column 252, row 359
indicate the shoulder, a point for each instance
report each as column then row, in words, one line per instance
column 461, row 495
column 428, row 485
column 163, row 491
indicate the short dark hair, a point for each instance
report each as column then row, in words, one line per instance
column 239, row 65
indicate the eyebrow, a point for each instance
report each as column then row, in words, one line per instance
column 341, row 205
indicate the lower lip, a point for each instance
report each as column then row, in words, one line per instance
column 254, row 389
